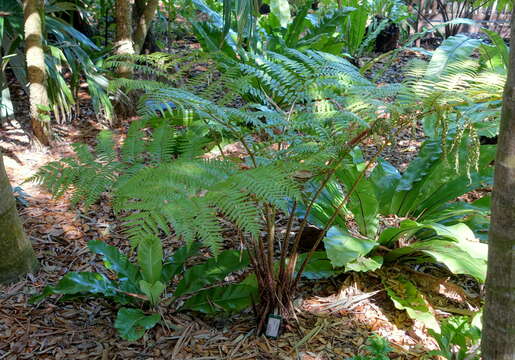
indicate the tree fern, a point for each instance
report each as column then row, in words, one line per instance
column 301, row 108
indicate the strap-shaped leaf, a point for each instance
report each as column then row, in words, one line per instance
column 132, row 323
column 150, row 259
column 232, row 298
column 175, row 264
column 83, row 283
column 343, row 248
column 114, row 259
column 153, row 291
column 451, row 254
column 405, row 296
column 453, row 49
column 211, row 271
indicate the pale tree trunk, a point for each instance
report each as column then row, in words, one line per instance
column 498, row 340
column 144, row 23
column 36, row 74
column 16, row 254
column 124, row 45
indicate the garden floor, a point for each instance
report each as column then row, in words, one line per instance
column 335, row 317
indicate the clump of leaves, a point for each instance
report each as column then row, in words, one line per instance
column 435, row 229
column 143, row 284
column 458, row 339
column 377, row 348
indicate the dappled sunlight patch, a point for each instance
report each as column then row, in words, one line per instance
column 361, row 304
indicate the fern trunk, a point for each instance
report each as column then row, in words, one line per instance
column 36, row 70
column 498, row 341
column 16, row 254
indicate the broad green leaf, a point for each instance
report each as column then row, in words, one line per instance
column 150, row 259
column 410, row 184
column 445, row 184
column 175, row 264
column 477, row 320
column 499, row 55
column 132, row 323
column 231, row 298
column 79, row 283
column 365, row 264
column 211, row 271
column 451, row 212
column 281, row 9
column 114, row 259
column 467, row 241
column 385, row 178
column 480, row 225
column 405, row 296
column 318, row 267
column 342, row 248
column 449, row 253
column 406, row 227
column 297, row 27
column 362, row 202
column 454, row 48
column 153, row 291
column 456, row 338
column 323, row 208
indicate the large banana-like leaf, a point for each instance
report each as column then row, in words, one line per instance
column 362, row 202
column 318, row 267
column 446, row 184
column 414, row 178
column 385, row 178
column 175, row 264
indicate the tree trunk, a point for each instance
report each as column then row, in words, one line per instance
column 144, row 23
column 498, row 340
column 16, row 254
column 36, row 74
column 124, row 44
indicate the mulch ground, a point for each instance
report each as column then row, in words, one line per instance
column 335, row 317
